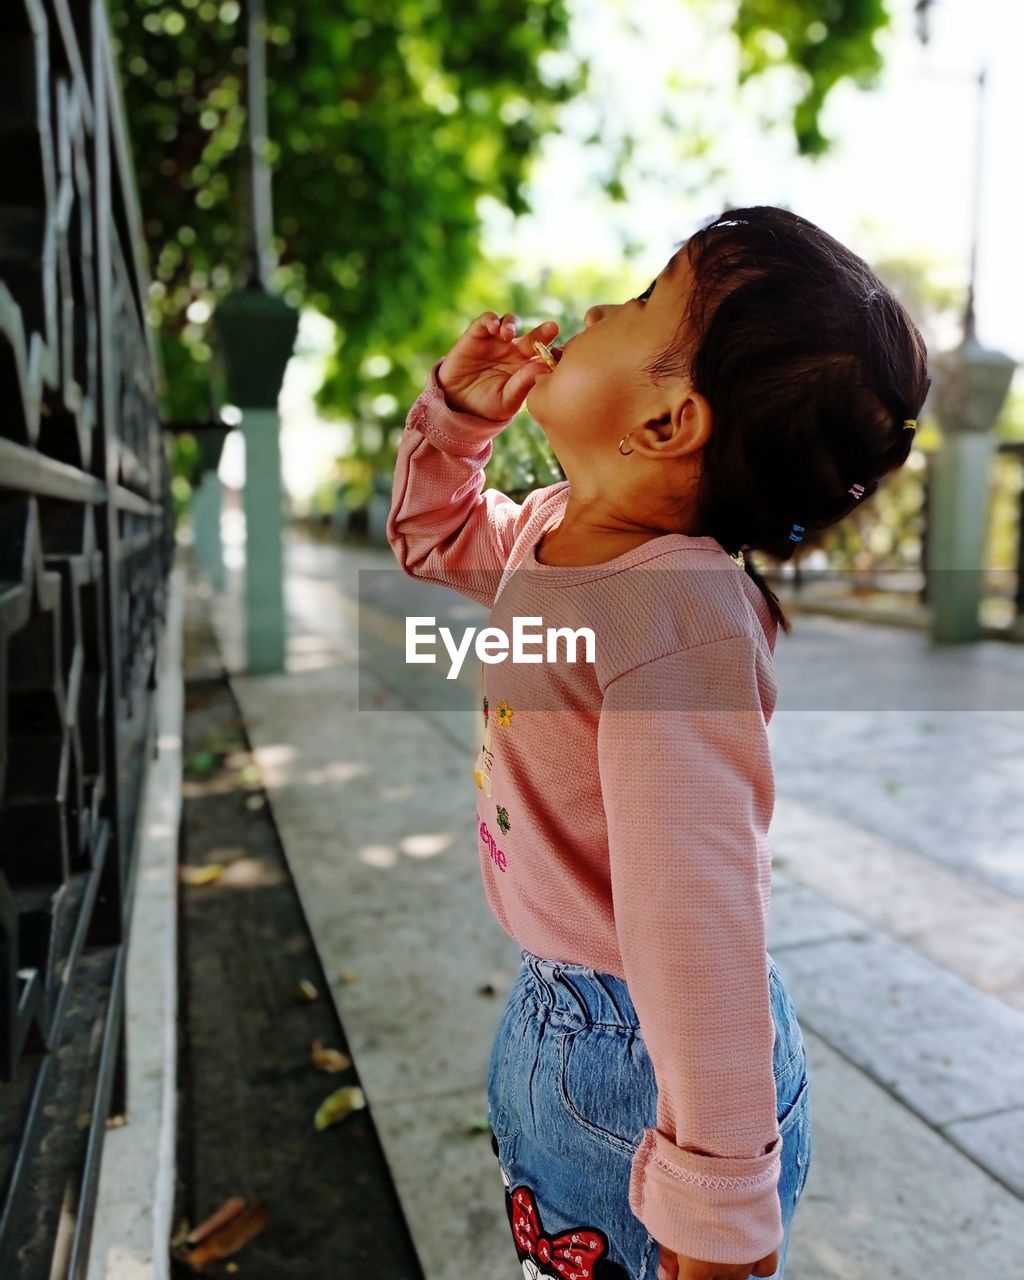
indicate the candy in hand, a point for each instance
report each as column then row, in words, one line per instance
column 545, row 354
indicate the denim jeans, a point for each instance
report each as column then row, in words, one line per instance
column 570, row 1089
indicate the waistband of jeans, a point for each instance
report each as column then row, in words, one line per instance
column 579, row 993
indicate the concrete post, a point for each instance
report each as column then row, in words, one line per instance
column 971, row 383
column 255, row 332
column 206, row 512
column 265, row 633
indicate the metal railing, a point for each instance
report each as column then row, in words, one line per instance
column 86, row 543
column 878, row 563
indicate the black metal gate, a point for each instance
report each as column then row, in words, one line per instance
column 85, row 549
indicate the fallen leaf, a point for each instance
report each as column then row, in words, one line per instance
column 305, row 992
column 228, row 1210
column 349, row 975
column 337, row 1105
column 180, row 1233
column 479, row 1124
column 328, row 1059
column 201, row 875
column 486, row 990
column 230, row 1238
column 201, row 764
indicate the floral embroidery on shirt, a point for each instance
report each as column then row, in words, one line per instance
column 482, row 778
column 484, row 760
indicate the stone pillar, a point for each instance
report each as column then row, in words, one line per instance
column 265, row 630
column 971, row 383
column 255, row 332
column 206, row 512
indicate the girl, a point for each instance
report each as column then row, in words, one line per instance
column 647, row 1087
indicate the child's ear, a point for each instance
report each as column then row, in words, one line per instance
column 692, row 416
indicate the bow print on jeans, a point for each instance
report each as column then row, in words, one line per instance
column 570, row 1254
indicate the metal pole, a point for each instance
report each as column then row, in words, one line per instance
column 256, row 332
column 979, row 138
column 260, row 221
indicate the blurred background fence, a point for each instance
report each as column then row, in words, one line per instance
column 875, row 564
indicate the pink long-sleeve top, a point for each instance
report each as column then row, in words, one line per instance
column 623, row 807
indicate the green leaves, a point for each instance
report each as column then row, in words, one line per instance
column 825, row 41
column 388, row 125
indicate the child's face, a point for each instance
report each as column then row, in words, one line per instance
column 599, row 391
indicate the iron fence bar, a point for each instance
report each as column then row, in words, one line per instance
column 29, row 1139
column 25, row 470
column 86, row 542
column 109, row 1100
column 126, row 500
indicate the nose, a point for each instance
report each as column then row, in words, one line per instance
column 597, row 312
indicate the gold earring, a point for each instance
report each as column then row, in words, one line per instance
column 624, row 452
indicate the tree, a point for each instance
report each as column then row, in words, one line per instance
column 826, row 42
column 388, row 124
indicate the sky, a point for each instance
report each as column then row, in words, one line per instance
column 901, row 178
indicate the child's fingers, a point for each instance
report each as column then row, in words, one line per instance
column 520, row 384
column 542, row 332
column 506, row 327
column 668, row 1264
column 486, row 323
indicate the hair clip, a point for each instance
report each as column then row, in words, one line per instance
column 911, row 423
column 794, row 536
column 856, row 489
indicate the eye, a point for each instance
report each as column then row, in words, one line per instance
column 647, row 292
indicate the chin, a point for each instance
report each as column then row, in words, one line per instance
column 532, row 406
column 550, row 436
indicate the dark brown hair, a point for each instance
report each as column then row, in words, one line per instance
column 810, row 366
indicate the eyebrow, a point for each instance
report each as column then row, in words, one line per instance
column 672, row 266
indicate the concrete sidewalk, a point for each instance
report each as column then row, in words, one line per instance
column 897, row 921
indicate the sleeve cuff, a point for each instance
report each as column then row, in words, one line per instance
column 711, row 1208
column 450, row 430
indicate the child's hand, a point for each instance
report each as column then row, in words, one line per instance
column 674, row 1266
column 489, row 372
